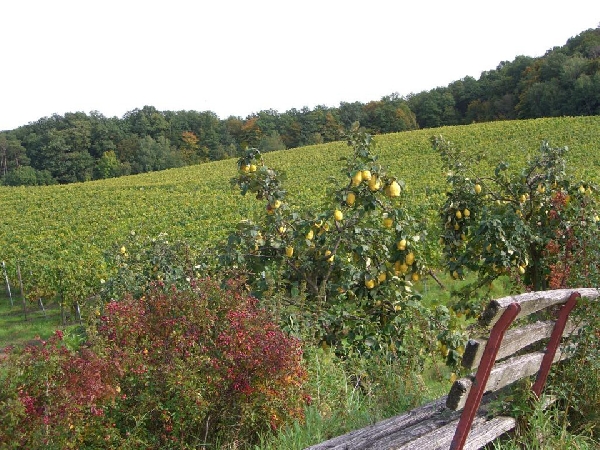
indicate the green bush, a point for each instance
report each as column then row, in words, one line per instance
column 140, row 260
column 346, row 273
column 539, row 226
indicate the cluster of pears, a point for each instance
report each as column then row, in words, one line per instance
column 374, row 182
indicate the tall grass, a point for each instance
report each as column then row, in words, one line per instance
column 352, row 394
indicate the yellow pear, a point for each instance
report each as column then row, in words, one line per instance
column 394, row 189
column 350, row 198
column 374, row 183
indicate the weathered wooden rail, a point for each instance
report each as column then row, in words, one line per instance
column 462, row 418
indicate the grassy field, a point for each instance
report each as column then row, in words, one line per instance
column 15, row 329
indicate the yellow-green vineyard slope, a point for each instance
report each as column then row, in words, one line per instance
column 72, row 225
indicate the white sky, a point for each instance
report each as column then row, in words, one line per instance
column 241, row 56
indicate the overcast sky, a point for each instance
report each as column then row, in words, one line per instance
column 238, row 57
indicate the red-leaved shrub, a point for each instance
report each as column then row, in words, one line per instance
column 175, row 368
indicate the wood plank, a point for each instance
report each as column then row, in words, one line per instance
column 533, row 301
column 438, row 439
column 503, row 374
column 363, row 438
column 426, row 434
column 514, row 340
column 483, row 432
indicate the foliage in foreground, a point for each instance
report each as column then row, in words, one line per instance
column 171, row 369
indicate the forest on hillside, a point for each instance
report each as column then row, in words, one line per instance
column 80, row 146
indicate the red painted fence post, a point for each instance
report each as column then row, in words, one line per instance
column 557, row 332
column 481, row 377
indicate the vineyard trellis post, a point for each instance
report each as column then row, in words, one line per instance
column 61, row 297
column 40, row 303
column 7, row 284
column 21, row 288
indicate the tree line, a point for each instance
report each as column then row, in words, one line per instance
column 80, row 147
